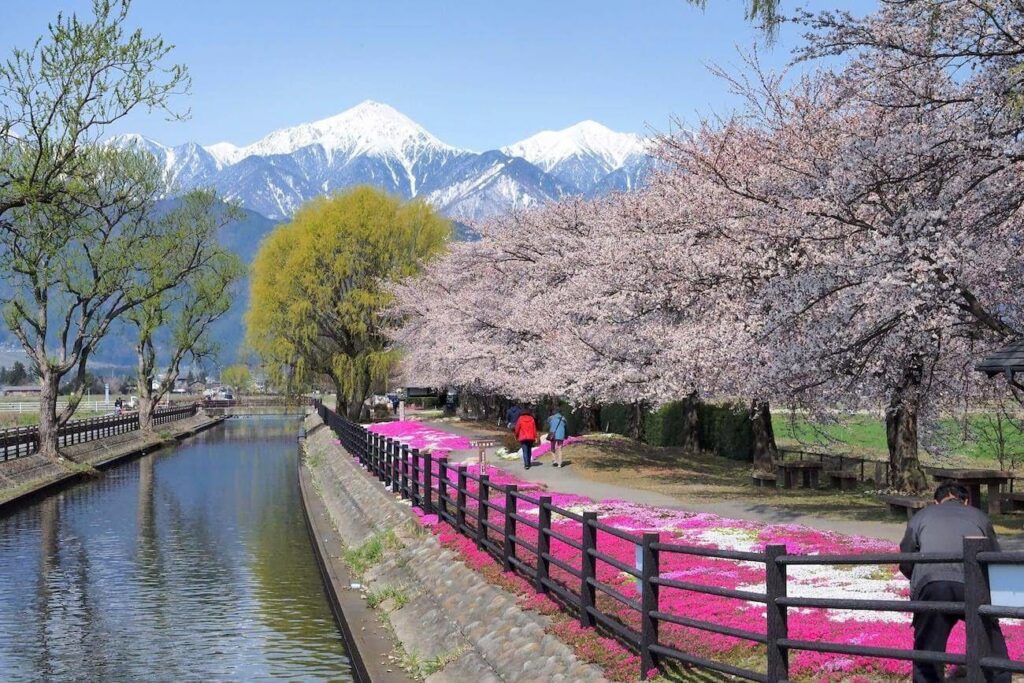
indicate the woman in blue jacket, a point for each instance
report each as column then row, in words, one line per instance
column 556, row 435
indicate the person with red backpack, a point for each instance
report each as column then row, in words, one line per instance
column 526, row 435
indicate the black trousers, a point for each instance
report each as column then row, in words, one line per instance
column 527, row 451
column 931, row 632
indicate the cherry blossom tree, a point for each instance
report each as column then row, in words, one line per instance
column 872, row 248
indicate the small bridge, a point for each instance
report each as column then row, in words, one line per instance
column 258, row 405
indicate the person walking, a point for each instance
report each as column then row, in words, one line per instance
column 526, row 435
column 556, row 435
column 941, row 528
column 512, row 415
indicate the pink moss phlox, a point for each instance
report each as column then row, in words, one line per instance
column 700, row 530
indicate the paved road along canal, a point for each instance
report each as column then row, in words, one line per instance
column 192, row 563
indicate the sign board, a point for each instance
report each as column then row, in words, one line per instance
column 1006, row 582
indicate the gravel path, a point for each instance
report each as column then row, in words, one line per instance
column 568, row 480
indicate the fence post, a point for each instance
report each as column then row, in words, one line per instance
column 778, row 622
column 976, row 594
column 508, row 548
column 588, row 569
column 442, row 488
column 428, row 483
column 482, row 493
column 460, row 500
column 415, row 476
column 389, row 461
column 405, row 471
column 543, row 544
column 394, row 469
column 650, row 569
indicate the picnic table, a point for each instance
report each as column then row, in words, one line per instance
column 808, row 470
column 973, row 480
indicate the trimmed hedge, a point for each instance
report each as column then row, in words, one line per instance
column 726, row 431
column 723, row 429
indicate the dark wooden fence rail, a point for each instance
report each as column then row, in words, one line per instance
column 21, row 441
column 489, row 516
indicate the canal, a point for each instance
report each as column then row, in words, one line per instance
column 191, row 563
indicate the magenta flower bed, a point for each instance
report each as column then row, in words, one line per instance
column 879, row 629
column 419, row 435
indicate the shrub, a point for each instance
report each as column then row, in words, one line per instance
column 726, row 430
column 510, row 443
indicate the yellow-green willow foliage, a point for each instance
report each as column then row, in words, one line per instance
column 320, row 285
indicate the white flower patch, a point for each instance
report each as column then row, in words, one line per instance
column 727, row 538
column 856, row 583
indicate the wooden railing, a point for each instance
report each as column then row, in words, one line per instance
column 489, row 515
column 19, row 442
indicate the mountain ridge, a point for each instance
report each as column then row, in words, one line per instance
column 373, row 143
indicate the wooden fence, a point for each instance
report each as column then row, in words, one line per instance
column 18, row 442
column 489, row 516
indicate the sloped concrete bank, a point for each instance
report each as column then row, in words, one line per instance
column 24, row 478
column 448, row 622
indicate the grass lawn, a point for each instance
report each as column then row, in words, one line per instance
column 694, row 477
column 864, row 436
column 8, row 420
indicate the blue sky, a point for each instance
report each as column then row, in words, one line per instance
column 476, row 74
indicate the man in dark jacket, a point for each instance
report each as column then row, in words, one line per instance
column 941, row 528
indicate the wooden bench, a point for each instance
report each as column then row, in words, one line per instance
column 1016, row 500
column 763, row 480
column 844, row 481
column 907, row 505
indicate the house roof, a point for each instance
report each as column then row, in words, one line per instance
column 1010, row 359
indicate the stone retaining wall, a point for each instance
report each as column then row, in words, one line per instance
column 453, row 617
column 31, row 474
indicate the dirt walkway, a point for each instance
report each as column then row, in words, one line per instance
column 568, row 480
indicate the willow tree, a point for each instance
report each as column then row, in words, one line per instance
column 186, row 301
column 321, row 286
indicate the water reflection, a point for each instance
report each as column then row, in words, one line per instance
column 188, row 564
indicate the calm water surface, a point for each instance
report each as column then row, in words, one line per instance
column 190, row 564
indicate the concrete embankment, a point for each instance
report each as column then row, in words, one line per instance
column 447, row 621
column 25, row 477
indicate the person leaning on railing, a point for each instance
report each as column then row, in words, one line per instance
column 941, row 528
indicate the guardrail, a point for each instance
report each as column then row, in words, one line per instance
column 489, row 515
column 33, row 406
column 260, row 402
column 19, row 442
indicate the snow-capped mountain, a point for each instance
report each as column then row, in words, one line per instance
column 582, row 155
column 374, row 144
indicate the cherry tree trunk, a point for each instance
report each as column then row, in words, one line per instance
column 905, row 473
column 765, row 451
column 591, row 418
column 689, row 427
column 638, row 420
column 48, row 426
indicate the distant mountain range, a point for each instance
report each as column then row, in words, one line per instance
column 374, row 144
